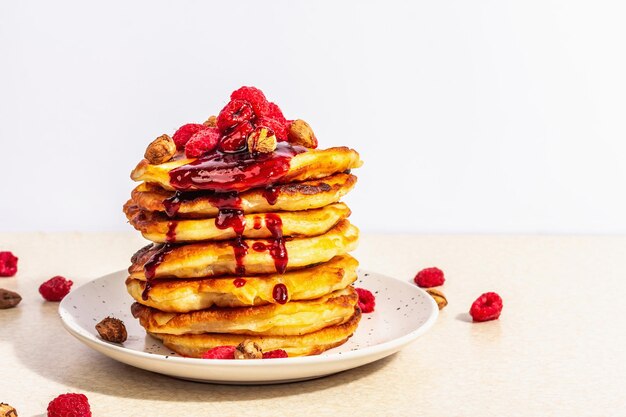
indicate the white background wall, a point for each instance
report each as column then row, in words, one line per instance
column 471, row 116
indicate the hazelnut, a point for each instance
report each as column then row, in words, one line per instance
column 248, row 350
column 161, row 150
column 211, row 121
column 112, row 330
column 262, row 140
column 438, row 296
column 8, row 299
column 7, row 411
column 300, row 133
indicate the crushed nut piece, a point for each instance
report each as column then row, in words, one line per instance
column 161, row 150
column 112, row 330
column 211, row 121
column 7, row 411
column 438, row 296
column 8, row 299
column 300, row 133
column 262, row 140
column 248, row 350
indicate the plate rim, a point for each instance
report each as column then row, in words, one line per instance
column 77, row 331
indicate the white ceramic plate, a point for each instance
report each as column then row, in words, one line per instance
column 403, row 312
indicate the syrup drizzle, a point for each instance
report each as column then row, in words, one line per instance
column 271, row 194
column 234, row 172
column 171, row 231
column 239, row 282
column 151, row 266
column 280, row 293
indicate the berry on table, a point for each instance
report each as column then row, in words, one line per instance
column 69, row 405
column 8, row 264
column 486, row 307
column 429, row 277
column 55, row 288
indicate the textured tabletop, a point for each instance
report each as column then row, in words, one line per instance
column 558, row 348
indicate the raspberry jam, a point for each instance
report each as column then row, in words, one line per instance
column 234, row 172
column 280, row 293
column 151, row 266
column 271, row 194
column 170, row 236
column 239, row 282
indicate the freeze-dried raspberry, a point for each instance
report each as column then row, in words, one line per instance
column 255, row 97
column 8, row 264
column 184, row 133
column 236, row 139
column 280, row 129
column 220, row 352
column 202, row 142
column 367, row 301
column 429, row 277
column 486, row 307
column 235, row 112
column 69, row 405
column 55, row 288
column 275, row 354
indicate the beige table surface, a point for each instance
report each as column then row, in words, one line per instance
column 559, row 348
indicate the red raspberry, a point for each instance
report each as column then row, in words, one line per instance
column 220, row 352
column 274, row 112
column 236, row 140
column 8, row 264
column 486, row 307
column 367, row 301
column 69, row 405
column 255, row 97
column 55, row 288
column 429, row 277
column 275, row 354
column 184, row 133
column 235, row 112
column 202, row 142
column 280, row 129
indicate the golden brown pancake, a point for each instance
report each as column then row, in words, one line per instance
column 214, row 258
column 159, row 228
column 293, row 196
column 312, row 164
column 182, row 296
column 194, row 345
column 289, row 319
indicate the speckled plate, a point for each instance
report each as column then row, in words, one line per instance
column 403, row 313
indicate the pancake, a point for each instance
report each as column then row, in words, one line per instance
column 289, row 319
column 311, row 164
column 182, row 296
column 194, row 345
column 196, row 260
column 159, row 228
column 294, row 196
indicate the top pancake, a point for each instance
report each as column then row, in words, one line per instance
column 311, row 164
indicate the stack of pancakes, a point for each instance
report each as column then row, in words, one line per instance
column 265, row 263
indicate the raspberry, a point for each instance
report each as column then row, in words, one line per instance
column 69, row 405
column 274, row 112
column 367, row 302
column 184, row 133
column 55, row 288
column 202, row 142
column 220, row 352
column 255, row 97
column 486, row 307
column 8, row 264
column 236, row 140
column 235, row 112
column 429, row 277
column 280, row 129
column 275, row 354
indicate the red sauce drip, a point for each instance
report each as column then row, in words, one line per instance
column 277, row 249
column 172, row 204
column 150, row 267
column 259, row 246
column 257, row 223
column 232, row 218
column 271, row 194
column 239, row 282
column 240, row 249
column 280, row 293
column 171, row 231
column 239, row 171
